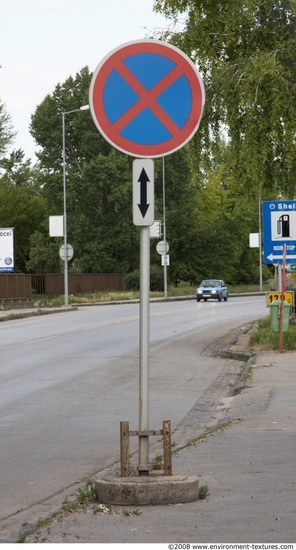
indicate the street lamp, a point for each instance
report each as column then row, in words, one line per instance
column 83, row 108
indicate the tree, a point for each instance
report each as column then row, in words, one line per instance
column 245, row 50
column 6, row 131
column 98, row 182
column 100, row 222
column 21, row 204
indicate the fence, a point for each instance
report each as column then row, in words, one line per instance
column 19, row 285
column 15, row 285
column 82, row 282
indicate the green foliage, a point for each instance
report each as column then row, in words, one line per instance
column 132, row 280
column 6, row 131
column 203, row 492
column 44, row 254
column 245, row 50
column 21, row 204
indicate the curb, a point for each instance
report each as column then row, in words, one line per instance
column 145, row 490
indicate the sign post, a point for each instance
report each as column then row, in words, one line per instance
column 143, row 216
column 146, row 98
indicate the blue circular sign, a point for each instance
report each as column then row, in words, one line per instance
column 147, row 98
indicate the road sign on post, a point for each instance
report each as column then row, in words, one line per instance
column 146, row 98
column 279, row 229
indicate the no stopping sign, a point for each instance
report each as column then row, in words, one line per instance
column 146, row 98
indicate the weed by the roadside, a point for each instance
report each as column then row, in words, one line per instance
column 157, row 459
column 132, row 513
column 212, row 431
column 264, row 338
column 81, row 498
column 203, row 492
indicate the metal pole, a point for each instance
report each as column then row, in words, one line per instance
column 283, row 271
column 279, row 277
column 66, row 301
column 66, row 293
column 144, row 350
column 164, row 230
column 260, row 246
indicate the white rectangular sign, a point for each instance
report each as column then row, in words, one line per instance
column 165, row 259
column 143, row 192
column 7, row 249
column 155, row 230
column 56, row 226
column 254, row 240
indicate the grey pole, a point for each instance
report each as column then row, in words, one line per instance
column 164, row 230
column 144, row 349
column 66, row 293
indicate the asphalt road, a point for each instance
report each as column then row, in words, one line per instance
column 67, row 380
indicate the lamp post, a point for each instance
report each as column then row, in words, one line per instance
column 83, row 108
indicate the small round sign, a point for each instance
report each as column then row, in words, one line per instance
column 162, row 247
column 146, row 98
column 70, row 252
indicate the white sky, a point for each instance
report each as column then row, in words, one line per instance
column 43, row 42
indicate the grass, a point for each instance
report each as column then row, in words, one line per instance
column 112, row 296
column 263, row 338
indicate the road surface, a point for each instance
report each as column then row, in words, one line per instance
column 67, row 380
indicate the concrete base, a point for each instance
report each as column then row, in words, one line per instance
column 143, row 490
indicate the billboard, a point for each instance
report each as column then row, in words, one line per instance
column 6, row 249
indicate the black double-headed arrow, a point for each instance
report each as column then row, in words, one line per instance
column 143, row 180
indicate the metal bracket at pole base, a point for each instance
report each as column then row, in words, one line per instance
column 125, row 434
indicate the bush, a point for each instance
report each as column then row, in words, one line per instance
column 132, row 280
column 156, row 279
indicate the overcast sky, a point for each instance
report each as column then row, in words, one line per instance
column 43, row 42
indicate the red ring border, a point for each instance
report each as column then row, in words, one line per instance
column 101, row 75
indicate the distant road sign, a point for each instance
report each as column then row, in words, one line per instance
column 155, row 230
column 162, row 247
column 70, row 252
column 279, row 229
column 165, row 259
column 56, row 226
column 146, row 98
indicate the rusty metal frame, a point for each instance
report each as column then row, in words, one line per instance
column 125, row 434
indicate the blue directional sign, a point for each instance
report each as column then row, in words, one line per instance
column 146, row 98
column 279, row 229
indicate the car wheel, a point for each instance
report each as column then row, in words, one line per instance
column 205, row 299
column 219, row 298
column 198, row 299
column 225, row 298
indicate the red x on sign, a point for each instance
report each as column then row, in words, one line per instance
column 146, row 98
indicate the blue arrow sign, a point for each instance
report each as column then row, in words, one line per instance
column 279, row 229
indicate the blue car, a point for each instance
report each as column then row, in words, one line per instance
column 212, row 289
